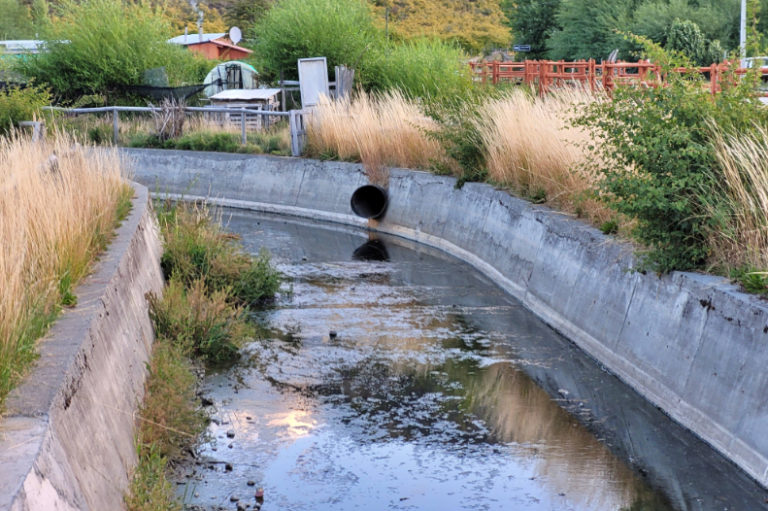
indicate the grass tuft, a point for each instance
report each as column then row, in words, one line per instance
column 381, row 130
column 196, row 248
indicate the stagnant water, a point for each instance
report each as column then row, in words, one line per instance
column 396, row 377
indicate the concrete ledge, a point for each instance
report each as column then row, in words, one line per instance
column 692, row 344
column 67, row 437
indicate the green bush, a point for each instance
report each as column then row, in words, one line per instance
column 17, row 104
column 197, row 249
column 663, row 169
column 685, row 36
column 102, row 46
column 340, row 30
column 422, row 68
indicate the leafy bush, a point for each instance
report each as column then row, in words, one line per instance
column 422, row 68
column 341, row 30
column 197, row 249
column 102, row 46
column 663, row 170
column 17, row 104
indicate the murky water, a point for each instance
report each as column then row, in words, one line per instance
column 395, row 377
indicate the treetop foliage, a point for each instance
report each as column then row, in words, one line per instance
column 478, row 25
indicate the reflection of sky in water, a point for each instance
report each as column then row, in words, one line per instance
column 411, row 406
column 408, row 408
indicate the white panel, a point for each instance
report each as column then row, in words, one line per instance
column 313, row 80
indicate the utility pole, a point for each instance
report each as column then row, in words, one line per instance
column 743, row 33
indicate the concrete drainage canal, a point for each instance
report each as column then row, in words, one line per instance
column 396, row 377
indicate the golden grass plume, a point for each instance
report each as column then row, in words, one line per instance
column 380, row 129
column 743, row 160
column 532, row 146
column 59, row 202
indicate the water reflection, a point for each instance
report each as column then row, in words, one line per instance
column 371, row 250
column 439, row 392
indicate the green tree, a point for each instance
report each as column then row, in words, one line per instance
column 686, row 37
column 589, row 29
column 532, row 22
column 717, row 19
column 246, row 13
column 101, row 46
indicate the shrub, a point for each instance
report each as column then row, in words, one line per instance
column 197, row 249
column 341, row 30
column 686, row 36
column 17, row 104
column 663, row 169
column 458, row 120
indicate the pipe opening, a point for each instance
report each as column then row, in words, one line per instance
column 369, row 201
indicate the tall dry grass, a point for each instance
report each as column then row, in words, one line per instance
column 532, row 146
column 743, row 240
column 59, row 203
column 381, row 130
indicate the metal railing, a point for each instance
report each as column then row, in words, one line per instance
column 295, row 118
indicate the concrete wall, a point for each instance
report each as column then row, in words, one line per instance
column 692, row 344
column 67, row 435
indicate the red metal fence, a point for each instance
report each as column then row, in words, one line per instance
column 546, row 74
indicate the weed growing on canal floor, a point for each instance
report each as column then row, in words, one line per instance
column 199, row 319
column 204, row 325
column 196, row 248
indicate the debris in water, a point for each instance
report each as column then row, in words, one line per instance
column 251, row 483
column 332, row 334
column 231, row 433
column 228, row 467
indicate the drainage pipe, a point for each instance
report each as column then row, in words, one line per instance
column 370, row 201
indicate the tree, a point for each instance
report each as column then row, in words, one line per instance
column 246, row 13
column 102, row 46
column 589, row 29
column 477, row 25
column 533, row 21
column 686, row 37
column 717, row 19
column 180, row 15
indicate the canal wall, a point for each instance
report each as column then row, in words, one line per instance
column 692, row 344
column 67, row 432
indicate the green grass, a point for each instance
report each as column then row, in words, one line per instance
column 269, row 142
column 196, row 248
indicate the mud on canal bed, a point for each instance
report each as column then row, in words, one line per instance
column 397, row 377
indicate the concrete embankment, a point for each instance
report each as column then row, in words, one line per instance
column 690, row 343
column 67, row 434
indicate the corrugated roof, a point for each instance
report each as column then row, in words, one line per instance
column 194, row 38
